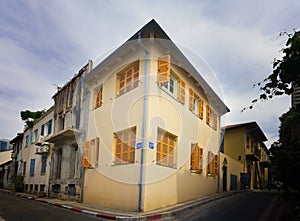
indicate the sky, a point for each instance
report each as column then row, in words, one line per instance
column 44, row 43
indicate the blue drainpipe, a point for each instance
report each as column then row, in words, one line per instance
column 143, row 124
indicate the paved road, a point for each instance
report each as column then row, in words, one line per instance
column 250, row 206
column 13, row 208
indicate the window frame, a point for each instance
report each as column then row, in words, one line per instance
column 120, row 152
column 212, row 164
column 43, row 164
column 32, row 167
column 98, row 96
column 196, row 155
column 133, row 83
column 167, row 149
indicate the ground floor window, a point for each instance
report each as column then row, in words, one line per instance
column 166, row 148
column 125, row 146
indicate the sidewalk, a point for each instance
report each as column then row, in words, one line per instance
column 124, row 215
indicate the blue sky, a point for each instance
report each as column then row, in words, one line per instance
column 44, row 43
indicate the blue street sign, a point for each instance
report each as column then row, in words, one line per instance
column 151, row 145
column 138, row 145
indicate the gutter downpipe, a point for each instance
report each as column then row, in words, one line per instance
column 143, row 124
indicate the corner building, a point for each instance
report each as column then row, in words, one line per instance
column 153, row 132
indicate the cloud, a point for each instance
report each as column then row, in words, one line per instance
column 45, row 44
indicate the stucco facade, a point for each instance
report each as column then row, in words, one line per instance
column 36, row 155
column 153, row 138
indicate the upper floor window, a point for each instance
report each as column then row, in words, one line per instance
column 42, row 129
column 49, row 126
column 36, row 135
column 166, row 148
column 125, row 146
column 211, row 117
column 127, row 79
column 195, row 104
column 27, row 141
column 172, row 85
column 98, row 100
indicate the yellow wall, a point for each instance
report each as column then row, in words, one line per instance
column 162, row 185
column 234, row 144
column 233, row 167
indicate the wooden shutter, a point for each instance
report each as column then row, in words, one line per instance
column 200, row 160
column 181, row 91
column 164, row 69
column 207, row 114
column 99, row 98
column 201, row 108
column 195, row 157
column 215, row 165
column 191, row 100
column 96, row 151
column 85, row 156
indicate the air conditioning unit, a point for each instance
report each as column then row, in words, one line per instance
column 42, row 149
column 40, row 141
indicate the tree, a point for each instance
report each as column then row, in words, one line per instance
column 30, row 116
column 285, row 154
column 285, row 72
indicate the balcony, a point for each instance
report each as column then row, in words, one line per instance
column 63, row 135
column 42, row 150
column 253, row 154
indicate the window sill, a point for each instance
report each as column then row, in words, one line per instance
column 171, row 167
column 196, row 172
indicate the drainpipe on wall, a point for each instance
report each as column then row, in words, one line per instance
column 219, row 157
column 143, row 124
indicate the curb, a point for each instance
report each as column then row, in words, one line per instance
column 154, row 216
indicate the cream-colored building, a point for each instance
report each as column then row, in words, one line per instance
column 153, row 131
column 36, row 154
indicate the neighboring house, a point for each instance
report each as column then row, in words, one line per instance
column 65, row 179
column 154, row 127
column 4, row 145
column 5, row 169
column 36, row 154
column 16, row 156
column 230, row 173
column 245, row 143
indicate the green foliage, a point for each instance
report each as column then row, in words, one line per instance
column 18, row 183
column 285, row 72
column 286, row 153
column 30, row 116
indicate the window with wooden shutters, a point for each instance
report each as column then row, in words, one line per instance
column 215, row 165
column 201, row 108
column 210, row 163
column 181, row 91
column 196, row 159
column 164, row 69
column 86, row 154
column 212, row 167
column 166, row 149
column 191, row 100
column 127, row 79
column 125, row 146
column 207, row 115
column 98, row 100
